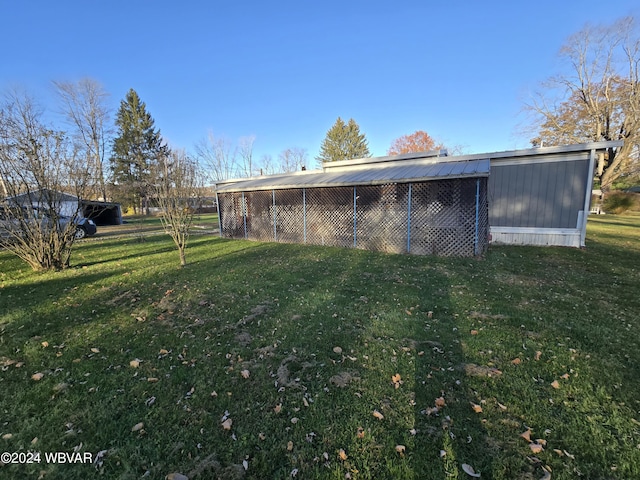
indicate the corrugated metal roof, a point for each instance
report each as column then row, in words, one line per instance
column 370, row 176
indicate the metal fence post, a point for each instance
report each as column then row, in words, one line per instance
column 409, row 221
column 476, row 239
column 355, row 223
column 244, row 214
column 219, row 214
column 275, row 233
column 304, row 214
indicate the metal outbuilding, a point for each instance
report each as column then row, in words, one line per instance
column 424, row 203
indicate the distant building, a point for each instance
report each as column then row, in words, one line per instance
column 102, row 213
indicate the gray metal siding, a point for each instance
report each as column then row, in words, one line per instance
column 547, row 194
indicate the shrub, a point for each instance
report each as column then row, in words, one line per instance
column 620, row 202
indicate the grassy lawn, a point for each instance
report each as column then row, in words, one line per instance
column 262, row 360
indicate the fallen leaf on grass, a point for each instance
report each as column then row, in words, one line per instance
column 262, row 436
column 547, row 474
column 95, row 350
column 277, row 408
column 526, row 435
column 430, row 411
column 245, row 373
column 163, row 351
column 7, row 436
column 342, row 455
column 440, row 402
column 397, row 380
column 538, row 355
column 37, row 376
column 289, row 445
column 337, row 350
column 565, row 376
column 555, row 384
column 501, row 406
column 45, row 344
column 176, row 476
column 559, row 452
column 360, row 432
column 516, row 361
column 400, row 449
column 152, row 379
column 474, row 332
column 137, row 427
column 572, row 457
column 227, row 424
column 476, row 408
column 468, row 469
column 135, row 363
column 535, row 447
column 378, row 415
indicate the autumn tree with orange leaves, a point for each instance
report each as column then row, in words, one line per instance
column 418, row 141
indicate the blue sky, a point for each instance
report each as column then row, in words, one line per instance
column 284, row 71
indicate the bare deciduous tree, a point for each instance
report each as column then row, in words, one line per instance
column 267, row 166
column 245, row 152
column 178, row 191
column 43, row 178
column 217, row 157
column 84, row 106
column 292, row 160
column 598, row 98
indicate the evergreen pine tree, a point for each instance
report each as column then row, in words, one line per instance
column 137, row 147
column 343, row 142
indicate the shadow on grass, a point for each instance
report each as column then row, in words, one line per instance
column 279, row 312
